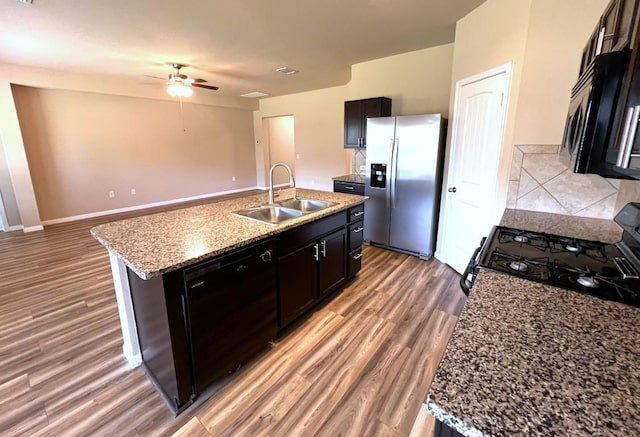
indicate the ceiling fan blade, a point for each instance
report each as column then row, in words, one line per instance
column 209, row 87
column 155, row 77
column 199, row 80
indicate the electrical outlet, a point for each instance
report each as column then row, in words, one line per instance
column 133, row 191
column 313, row 182
column 297, row 156
column 233, row 178
column 363, row 167
column 112, row 194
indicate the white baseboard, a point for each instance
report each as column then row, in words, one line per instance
column 26, row 229
column 13, row 228
column 139, row 207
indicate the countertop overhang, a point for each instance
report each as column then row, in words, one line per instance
column 532, row 359
column 159, row 243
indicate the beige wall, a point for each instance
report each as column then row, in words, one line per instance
column 554, row 45
column 492, row 35
column 418, row 82
column 82, row 145
column 15, row 178
column 318, row 133
column 278, row 131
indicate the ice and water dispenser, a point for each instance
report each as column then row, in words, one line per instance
column 378, row 176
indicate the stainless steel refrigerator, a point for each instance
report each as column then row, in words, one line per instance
column 403, row 179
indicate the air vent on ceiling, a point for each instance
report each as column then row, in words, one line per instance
column 286, row 70
column 254, row 95
column 26, row 1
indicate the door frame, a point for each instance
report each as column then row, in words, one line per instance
column 442, row 251
column 4, row 223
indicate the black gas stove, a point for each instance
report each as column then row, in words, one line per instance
column 608, row 271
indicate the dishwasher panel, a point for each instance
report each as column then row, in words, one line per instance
column 230, row 311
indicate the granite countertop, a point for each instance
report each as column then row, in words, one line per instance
column 350, row 178
column 568, row 225
column 158, row 243
column 531, row 359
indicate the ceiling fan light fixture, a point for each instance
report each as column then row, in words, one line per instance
column 177, row 89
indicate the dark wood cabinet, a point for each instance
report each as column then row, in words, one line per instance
column 297, row 273
column 356, row 234
column 312, row 265
column 623, row 151
column 613, row 31
column 332, row 267
column 348, row 187
column 198, row 324
column 356, row 113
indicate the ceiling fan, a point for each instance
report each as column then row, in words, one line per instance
column 179, row 84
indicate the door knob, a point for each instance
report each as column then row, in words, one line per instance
column 452, row 190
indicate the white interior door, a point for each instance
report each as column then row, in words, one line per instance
column 479, row 117
column 3, row 217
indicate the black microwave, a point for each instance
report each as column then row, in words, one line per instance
column 591, row 129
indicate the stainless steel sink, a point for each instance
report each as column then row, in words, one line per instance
column 306, row 205
column 273, row 214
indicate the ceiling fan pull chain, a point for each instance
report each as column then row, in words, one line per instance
column 182, row 115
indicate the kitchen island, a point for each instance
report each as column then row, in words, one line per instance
column 202, row 290
column 532, row 359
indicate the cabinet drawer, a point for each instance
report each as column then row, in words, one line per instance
column 348, row 187
column 355, row 261
column 355, row 235
column 302, row 235
column 356, row 213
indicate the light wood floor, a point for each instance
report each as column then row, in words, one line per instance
column 360, row 365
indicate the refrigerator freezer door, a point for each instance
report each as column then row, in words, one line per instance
column 415, row 193
column 380, row 140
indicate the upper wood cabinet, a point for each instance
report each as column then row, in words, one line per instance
column 612, row 32
column 356, row 113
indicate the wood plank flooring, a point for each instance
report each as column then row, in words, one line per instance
column 359, row 365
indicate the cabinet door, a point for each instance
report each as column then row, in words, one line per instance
column 370, row 108
column 332, row 265
column 352, row 123
column 297, row 282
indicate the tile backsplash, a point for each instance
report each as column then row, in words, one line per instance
column 541, row 180
column 358, row 158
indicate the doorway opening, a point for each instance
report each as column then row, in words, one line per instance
column 278, row 134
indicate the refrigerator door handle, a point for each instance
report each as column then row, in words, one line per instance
column 394, row 171
column 390, row 176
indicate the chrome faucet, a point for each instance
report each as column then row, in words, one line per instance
column 292, row 182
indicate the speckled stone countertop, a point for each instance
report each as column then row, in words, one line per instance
column 158, row 243
column 350, row 178
column 567, row 225
column 531, row 359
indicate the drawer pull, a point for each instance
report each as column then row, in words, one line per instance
column 355, row 231
column 358, row 214
column 347, row 187
column 358, row 256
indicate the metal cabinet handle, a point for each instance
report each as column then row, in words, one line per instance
column 358, row 230
column 628, row 137
column 324, row 248
column 266, row 256
column 452, row 190
column 358, row 214
column 315, row 252
column 348, row 187
column 358, row 256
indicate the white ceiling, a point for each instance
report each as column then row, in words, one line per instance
column 234, row 44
